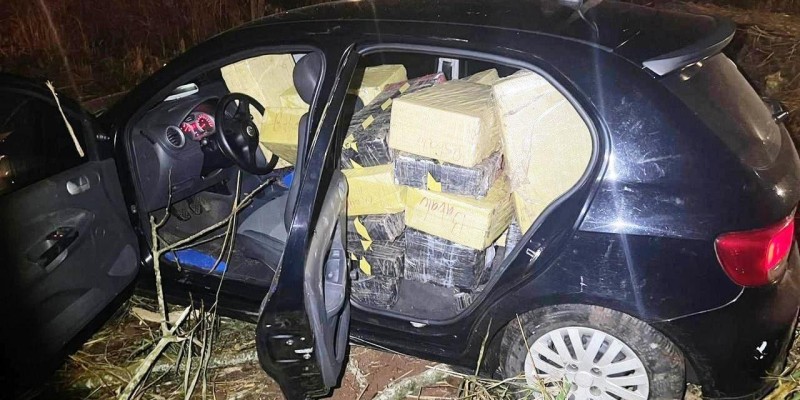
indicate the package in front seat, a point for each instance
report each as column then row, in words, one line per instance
column 383, row 258
column 426, row 173
column 372, row 191
column 432, row 259
column 453, row 122
column 376, row 291
column 366, row 142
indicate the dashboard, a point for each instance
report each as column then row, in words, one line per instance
column 173, row 150
column 198, row 125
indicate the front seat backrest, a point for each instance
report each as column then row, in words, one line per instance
column 307, row 74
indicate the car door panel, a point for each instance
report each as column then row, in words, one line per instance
column 303, row 330
column 67, row 245
column 66, row 292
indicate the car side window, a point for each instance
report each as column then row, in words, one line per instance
column 34, row 141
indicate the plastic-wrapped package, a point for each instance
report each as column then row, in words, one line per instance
column 380, row 258
column 452, row 122
column 486, row 77
column 375, row 291
column 268, row 79
column 365, row 229
column 425, row 173
column 546, row 144
column 513, row 236
column 372, row 191
column 366, row 141
column 468, row 221
column 432, row 259
column 376, row 78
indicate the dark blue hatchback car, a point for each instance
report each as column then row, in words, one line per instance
column 656, row 242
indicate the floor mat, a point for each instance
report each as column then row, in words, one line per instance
column 215, row 208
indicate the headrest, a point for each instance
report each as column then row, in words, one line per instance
column 306, row 75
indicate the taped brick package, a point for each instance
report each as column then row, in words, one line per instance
column 453, row 122
column 379, row 258
column 425, row 173
column 372, row 191
column 546, row 144
column 366, row 142
column 375, row 79
column 375, row 291
column 471, row 222
column 432, row 259
column 487, row 77
column 268, row 79
column 365, row 229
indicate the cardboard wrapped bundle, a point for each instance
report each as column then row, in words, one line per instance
column 268, row 79
column 375, row 79
column 487, row 77
column 547, row 146
column 375, row 291
column 475, row 223
column 372, row 191
column 366, row 142
column 513, row 237
column 384, row 258
column 453, row 122
column 425, row 173
column 365, row 229
column 432, row 259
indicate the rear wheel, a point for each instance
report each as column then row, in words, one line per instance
column 591, row 352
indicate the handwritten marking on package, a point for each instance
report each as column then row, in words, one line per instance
column 446, row 212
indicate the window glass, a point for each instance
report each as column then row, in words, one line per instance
column 34, row 141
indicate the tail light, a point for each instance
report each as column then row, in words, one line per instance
column 757, row 257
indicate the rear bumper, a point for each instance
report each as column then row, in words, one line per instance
column 732, row 350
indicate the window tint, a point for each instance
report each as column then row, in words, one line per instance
column 34, row 141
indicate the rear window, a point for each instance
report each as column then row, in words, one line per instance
column 721, row 96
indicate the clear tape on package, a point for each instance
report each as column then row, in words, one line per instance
column 365, row 229
column 513, row 237
column 453, row 122
column 375, row 291
column 372, row 190
column 366, row 141
column 546, row 144
column 385, row 258
column 431, row 259
column 425, row 173
column 468, row 221
column 375, row 79
column 487, row 77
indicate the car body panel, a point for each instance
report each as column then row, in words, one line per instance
column 636, row 235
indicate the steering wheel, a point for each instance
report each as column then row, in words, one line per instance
column 237, row 134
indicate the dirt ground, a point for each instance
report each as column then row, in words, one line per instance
column 105, row 364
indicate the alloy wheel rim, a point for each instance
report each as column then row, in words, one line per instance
column 595, row 365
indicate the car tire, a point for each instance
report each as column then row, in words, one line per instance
column 629, row 349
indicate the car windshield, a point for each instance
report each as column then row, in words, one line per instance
column 721, row 96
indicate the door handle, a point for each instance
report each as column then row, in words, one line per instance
column 54, row 244
column 78, row 185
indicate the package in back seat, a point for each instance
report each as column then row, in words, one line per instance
column 432, row 259
column 429, row 174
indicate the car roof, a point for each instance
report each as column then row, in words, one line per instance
column 635, row 32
